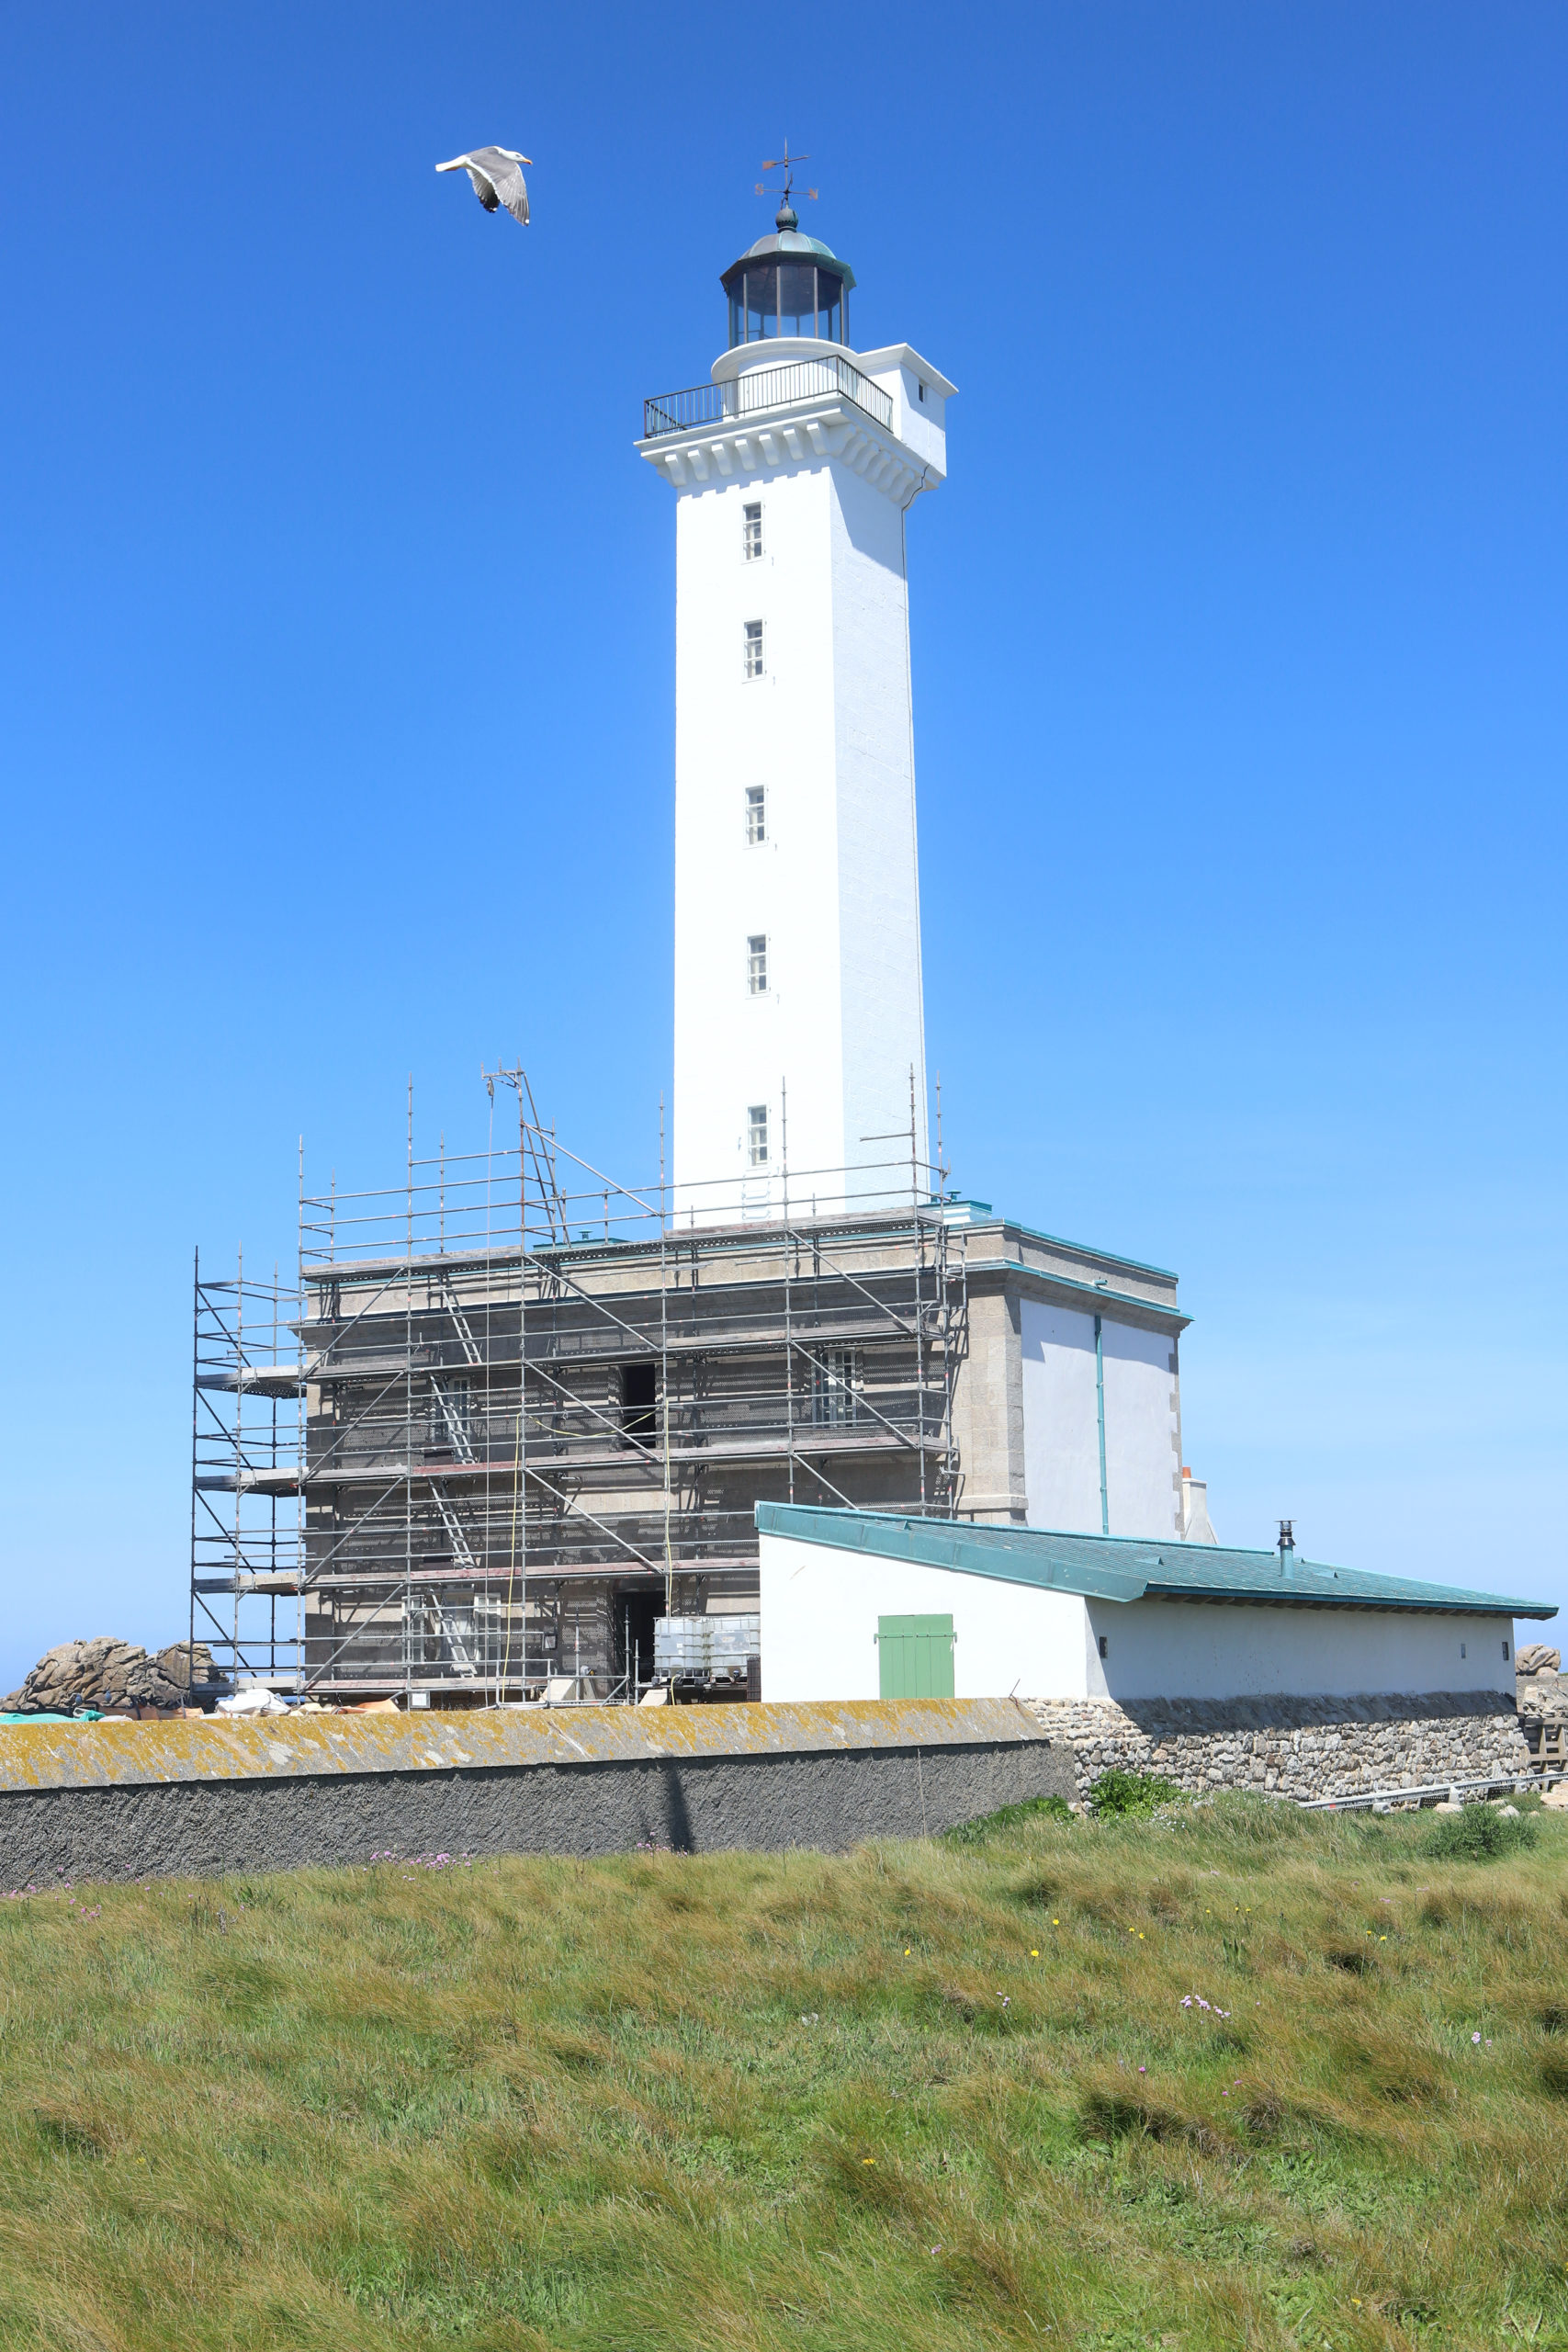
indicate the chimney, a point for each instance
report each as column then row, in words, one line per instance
column 1287, row 1548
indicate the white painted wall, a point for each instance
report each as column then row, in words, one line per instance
column 731, row 1049
column 827, row 731
column 1159, row 1650
column 1061, row 1424
column 820, row 1608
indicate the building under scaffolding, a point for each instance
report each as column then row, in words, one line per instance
column 521, row 1416
column 514, row 1414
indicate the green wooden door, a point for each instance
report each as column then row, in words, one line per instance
column 916, row 1654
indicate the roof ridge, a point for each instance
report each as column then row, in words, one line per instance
column 1115, row 1567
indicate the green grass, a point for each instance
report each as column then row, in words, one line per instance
column 1131, row 1795
column 932, row 2097
column 1479, row 1833
column 1005, row 1823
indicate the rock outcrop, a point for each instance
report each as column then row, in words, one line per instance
column 1538, row 1682
column 113, row 1675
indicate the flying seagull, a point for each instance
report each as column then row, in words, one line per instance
column 496, row 172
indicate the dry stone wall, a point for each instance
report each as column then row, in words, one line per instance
column 1296, row 1747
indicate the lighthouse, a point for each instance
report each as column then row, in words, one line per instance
column 799, row 1047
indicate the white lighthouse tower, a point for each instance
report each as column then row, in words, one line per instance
column 799, row 1034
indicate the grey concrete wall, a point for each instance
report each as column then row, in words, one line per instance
column 764, row 1803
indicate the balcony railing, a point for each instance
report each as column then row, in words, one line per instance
column 760, row 390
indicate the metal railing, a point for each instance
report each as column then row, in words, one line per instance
column 1512, row 1783
column 764, row 389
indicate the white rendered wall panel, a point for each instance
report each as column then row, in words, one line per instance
column 879, row 920
column 1167, row 1649
column 732, row 1049
column 1061, row 1424
column 1141, row 1472
column 820, row 1609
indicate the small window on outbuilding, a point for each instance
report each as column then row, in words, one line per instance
column 1104, row 1646
column 1505, row 1653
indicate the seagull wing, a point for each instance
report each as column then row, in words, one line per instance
column 497, row 177
column 502, row 170
column 482, row 184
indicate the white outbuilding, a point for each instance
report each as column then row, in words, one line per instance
column 866, row 1605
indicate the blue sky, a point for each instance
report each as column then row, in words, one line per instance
column 336, row 679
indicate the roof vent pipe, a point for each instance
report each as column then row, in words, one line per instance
column 1287, row 1549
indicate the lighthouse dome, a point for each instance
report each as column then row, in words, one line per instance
column 788, row 284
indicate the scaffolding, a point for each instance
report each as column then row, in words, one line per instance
column 246, row 1503
column 533, row 1411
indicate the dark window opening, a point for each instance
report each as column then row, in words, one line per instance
column 639, row 1612
column 639, row 1400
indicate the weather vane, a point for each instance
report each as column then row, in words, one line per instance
column 786, row 164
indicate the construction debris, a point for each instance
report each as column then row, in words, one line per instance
column 255, row 1699
column 114, row 1676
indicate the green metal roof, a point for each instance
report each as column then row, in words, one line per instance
column 782, row 244
column 1124, row 1567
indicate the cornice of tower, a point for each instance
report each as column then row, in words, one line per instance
column 796, row 402
column 824, row 430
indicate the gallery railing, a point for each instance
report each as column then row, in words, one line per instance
column 761, row 390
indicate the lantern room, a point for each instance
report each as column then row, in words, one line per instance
column 788, row 285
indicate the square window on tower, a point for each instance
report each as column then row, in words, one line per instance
column 754, row 649
column 756, row 813
column 751, row 532
column 757, row 1134
column 757, row 964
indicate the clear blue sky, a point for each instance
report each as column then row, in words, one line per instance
column 336, row 678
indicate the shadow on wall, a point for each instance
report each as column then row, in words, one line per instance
column 677, row 1819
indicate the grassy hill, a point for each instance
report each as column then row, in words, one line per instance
column 953, row 2094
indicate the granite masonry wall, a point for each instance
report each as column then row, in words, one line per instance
column 1294, row 1748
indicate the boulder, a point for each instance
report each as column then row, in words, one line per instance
column 118, row 1677
column 184, row 1663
